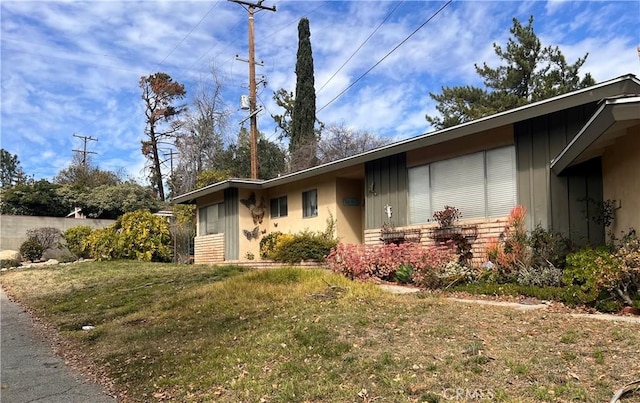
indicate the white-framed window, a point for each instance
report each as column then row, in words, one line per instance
column 310, row 203
column 211, row 219
column 480, row 185
column 278, row 207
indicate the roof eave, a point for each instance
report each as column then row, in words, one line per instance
column 610, row 112
column 620, row 85
column 190, row 197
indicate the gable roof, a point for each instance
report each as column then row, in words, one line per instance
column 627, row 84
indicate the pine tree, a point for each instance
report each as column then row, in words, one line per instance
column 303, row 140
column 530, row 73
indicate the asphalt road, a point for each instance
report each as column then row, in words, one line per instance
column 29, row 369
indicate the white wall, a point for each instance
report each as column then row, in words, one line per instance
column 13, row 228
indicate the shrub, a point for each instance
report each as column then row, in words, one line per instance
column 549, row 248
column 623, row 278
column 585, row 270
column 455, row 272
column 103, row 243
column 383, row 261
column 8, row 263
column 545, row 275
column 62, row 255
column 48, row 237
column 31, row 250
column 143, row 236
column 76, row 239
column 268, row 244
column 514, row 251
column 303, row 246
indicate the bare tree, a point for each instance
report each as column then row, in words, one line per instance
column 339, row 141
column 159, row 93
column 201, row 141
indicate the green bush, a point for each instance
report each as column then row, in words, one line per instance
column 139, row 235
column 144, row 236
column 268, row 244
column 76, row 239
column 549, row 248
column 404, row 274
column 302, row 246
column 584, row 270
column 8, row 263
column 102, row 244
column 31, row 250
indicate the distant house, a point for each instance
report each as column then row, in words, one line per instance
column 559, row 158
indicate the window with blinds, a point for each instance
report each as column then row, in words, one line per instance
column 278, row 207
column 479, row 185
column 211, row 219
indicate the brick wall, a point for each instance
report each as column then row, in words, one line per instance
column 209, row 249
column 480, row 233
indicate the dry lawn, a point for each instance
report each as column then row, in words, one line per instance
column 196, row 333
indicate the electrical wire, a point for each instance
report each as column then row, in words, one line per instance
column 360, row 47
column 385, row 56
column 189, row 33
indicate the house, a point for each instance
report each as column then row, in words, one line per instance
column 561, row 158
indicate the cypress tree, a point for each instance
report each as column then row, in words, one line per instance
column 303, row 141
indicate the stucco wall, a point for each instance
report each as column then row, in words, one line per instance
column 487, row 230
column 349, row 215
column 13, row 228
column 621, row 179
column 248, row 247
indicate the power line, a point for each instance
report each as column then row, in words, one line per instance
column 360, row 47
column 385, row 56
column 190, row 31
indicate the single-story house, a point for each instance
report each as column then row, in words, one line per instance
column 560, row 158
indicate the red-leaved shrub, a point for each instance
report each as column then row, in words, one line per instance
column 382, row 261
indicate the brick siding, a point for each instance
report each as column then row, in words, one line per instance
column 484, row 230
column 209, row 249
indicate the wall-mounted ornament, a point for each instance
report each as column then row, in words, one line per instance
column 252, row 234
column 257, row 210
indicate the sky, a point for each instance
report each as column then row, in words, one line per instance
column 73, row 67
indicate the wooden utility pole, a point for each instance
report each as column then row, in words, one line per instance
column 84, row 148
column 253, row 109
column 171, row 153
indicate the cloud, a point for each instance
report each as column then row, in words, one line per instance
column 73, row 67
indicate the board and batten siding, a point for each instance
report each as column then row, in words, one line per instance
column 555, row 202
column 231, row 224
column 386, row 184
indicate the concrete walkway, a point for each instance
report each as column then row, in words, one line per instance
column 29, row 369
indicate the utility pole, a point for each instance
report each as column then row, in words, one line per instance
column 253, row 110
column 84, row 148
column 171, row 153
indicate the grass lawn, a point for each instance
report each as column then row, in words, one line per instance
column 197, row 333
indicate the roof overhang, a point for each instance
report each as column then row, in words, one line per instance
column 610, row 121
column 627, row 84
column 190, row 198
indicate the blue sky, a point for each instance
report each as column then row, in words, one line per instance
column 73, row 67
